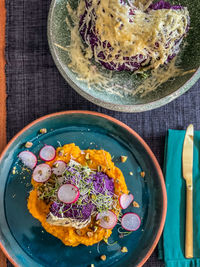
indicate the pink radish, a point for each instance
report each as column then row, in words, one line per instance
column 125, row 200
column 42, row 173
column 28, row 159
column 130, row 221
column 59, row 167
column 47, row 153
column 68, row 193
column 108, row 219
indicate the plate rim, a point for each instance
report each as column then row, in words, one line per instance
column 130, row 130
column 135, row 108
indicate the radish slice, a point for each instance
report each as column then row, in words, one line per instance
column 47, row 153
column 125, row 200
column 68, row 193
column 131, row 221
column 108, row 219
column 28, row 159
column 42, row 173
column 59, row 167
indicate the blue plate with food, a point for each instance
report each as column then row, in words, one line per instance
column 126, row 55
column 80, row 189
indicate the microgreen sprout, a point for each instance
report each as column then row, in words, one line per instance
column 107, row 242
column 95, row 188
column 123, row 233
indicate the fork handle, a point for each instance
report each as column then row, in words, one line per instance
column 189, row 223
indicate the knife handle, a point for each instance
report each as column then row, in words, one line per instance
column 189, row 223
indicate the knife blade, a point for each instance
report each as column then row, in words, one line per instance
column 187, row 167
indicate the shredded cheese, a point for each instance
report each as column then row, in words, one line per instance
column 132, row 32
column 128, row 33
column 79, row 55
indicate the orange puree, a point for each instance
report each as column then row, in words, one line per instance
column 39, row 209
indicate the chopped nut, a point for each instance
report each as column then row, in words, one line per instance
column 89, row 161
column 78, row 232
column 106, row 218
column 90, row 234
column 95, row 228
column 131, row 173
column 55, row 165
column 123, row 158
column 103, row 257
column 135, row 204
column 124, row 249
column 51, row 182
column 94, row 197
column 43, row 130
column 99, row 168
column 40, row 188
column 87, row 156
column 105, row 240
column 61, row 152
column 28, row 144
column 98, row 222
column 92, row 265
column 142, row 174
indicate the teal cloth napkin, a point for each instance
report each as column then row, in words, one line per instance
column 172, row 244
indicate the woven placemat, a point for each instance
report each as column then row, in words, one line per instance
column 2, row 93
column 36, row 88
column 2, row 76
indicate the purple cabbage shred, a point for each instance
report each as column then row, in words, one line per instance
column 134, row 62
column 101, row 183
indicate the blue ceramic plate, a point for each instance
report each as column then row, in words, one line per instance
column 23, row 239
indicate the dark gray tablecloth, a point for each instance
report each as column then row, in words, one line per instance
column 36, row 88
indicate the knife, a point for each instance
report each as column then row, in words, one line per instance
column 187, row 165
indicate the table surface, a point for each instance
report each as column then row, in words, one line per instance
column 36, row 88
